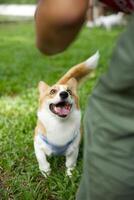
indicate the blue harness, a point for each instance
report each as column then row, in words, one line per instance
column 56, row 149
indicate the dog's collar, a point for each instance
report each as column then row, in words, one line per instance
column 57, row 149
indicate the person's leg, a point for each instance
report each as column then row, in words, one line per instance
column 108, row 172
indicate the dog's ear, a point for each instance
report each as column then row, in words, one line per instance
column 72, row 83
column 42, row 86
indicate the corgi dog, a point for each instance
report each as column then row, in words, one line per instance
column 59, row 117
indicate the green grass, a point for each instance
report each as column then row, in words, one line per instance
column 21, row 68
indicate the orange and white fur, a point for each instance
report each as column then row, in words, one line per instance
column 59, row 117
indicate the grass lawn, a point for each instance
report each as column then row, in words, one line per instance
column 21, row 68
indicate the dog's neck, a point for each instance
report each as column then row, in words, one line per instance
column 60, row 131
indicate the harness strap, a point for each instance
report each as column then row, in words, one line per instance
column 57, row 149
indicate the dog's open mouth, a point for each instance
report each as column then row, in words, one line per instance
column 62, row 109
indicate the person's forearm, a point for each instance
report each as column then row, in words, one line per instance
column 58, row 22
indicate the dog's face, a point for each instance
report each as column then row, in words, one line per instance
column 59, row 100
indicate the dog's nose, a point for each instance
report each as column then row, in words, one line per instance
column 63, row 95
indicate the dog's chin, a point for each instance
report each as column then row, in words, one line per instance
column 61, row 109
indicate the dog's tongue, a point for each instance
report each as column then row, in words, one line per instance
column 62, row 110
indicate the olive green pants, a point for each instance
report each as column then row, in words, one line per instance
column 108, row 171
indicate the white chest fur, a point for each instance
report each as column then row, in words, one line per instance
column 60, row 131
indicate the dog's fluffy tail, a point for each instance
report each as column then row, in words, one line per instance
column 81, row 70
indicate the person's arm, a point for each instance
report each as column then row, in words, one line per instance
column 58, row 23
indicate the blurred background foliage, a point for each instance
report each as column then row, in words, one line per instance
column 18, row 1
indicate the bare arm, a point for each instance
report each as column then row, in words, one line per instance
column 58, row 23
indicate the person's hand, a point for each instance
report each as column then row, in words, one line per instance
column 58, row 23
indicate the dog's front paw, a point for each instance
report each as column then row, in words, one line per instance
column 45, row 171
column 69, row 171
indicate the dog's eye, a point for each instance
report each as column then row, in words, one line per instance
column 69, row 91
column 53, row 91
